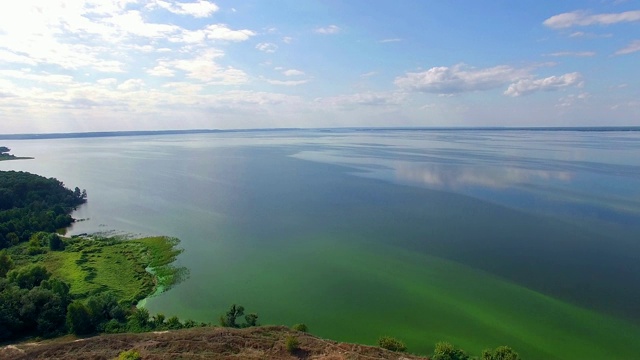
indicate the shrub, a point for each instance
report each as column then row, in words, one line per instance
column 500, row 353
column 129, row 355
column 446, row 351
column 292, row 344
column 79, row 318
column 300, row 327
column 390, row 343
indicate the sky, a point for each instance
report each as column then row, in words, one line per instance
column 112, row 65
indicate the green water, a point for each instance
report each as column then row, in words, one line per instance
column 477, row 238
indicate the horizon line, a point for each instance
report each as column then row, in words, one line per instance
column 117, row 133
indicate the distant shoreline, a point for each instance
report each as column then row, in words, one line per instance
column 346, row 129
column 4, row 158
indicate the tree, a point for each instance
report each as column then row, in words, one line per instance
column 251, row 319
column 300, row 327
column 390, row 343
column 500, row 353
column 139, row 320
column 229, row 319
column 55, row 243
column 28, row 277
column 446, row 351
column 79, row 318
column 4, row 149
column 6, row 263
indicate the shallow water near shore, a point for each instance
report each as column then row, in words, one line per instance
column 480, row 238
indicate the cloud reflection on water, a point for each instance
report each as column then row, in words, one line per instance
column 457, row 177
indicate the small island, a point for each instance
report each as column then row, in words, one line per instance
column 4, row 155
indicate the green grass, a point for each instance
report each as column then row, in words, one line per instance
column 93, row 265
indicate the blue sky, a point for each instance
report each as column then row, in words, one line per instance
column 102, row 65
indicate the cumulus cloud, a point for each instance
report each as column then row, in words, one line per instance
column 459, row 78
column 582, row 18
column 329, row 30
column 198, row 9
column 267, row 47
column 528, row 86
column 634, row 46
column 203, row 67
column 131, row 85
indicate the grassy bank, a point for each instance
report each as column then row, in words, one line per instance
column 131, row 269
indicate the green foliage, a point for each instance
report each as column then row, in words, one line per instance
column 6, row 263
column 292, row 344
column 129, row 355
column 30, row 203
column 103, row 308
column 229, row 319
column 251, row 319
column 79, row 318
column 174, row 323
column 446, row 351
column 28, row 277
column 55, row 242
column 138, row 321
column 390, row 343
column 300, row 327
column 500, row 353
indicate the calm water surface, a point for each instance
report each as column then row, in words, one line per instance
column 475, row 237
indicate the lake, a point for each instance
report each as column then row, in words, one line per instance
column 476, row 237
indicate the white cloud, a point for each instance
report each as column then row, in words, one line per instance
column 212, row 32
column 573, row 53
column 287, row 39
column 390, row 40
column 528, row 86
column 570, row 100
column 267, row 47
column 162, row 71
column 582, row 34
column 131, row 85
column 364, row 99
column 582, row 18
column 132, row 23
column 198, row 9
column 107, row 81
column 222, row 32
column 634, row 46
column 204, row 68
column 293, row 72
column 329, row 30
column 459, row 78
column 286, row 82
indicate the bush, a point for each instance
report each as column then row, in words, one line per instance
column 500, row 353
column 129, row 355
column 79, row 318
column 446, row 351
column 300, row 327
column 390, row 343
column 292, row 344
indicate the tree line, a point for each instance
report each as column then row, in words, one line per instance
column 31, row 203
